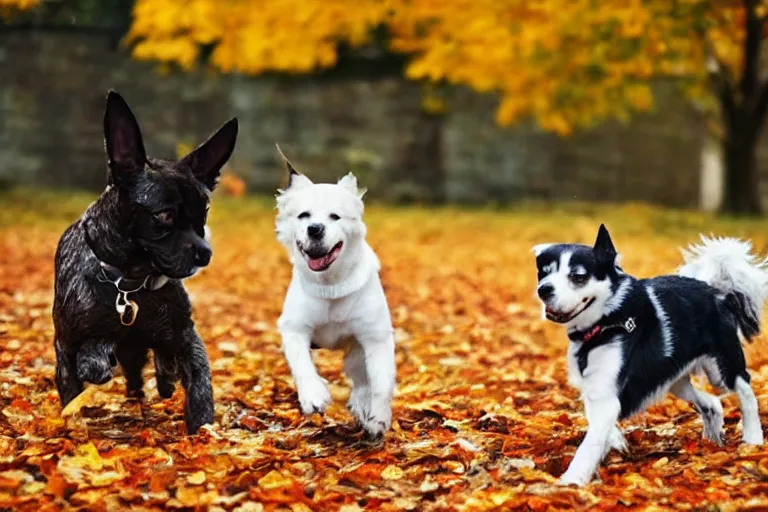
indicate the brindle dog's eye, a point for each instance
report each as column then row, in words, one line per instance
column 333, row 216
column 165, row 217
column 304, row 215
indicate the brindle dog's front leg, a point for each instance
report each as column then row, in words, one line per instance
column 132, row 359
column 166, row 373
column 67, row 382
column 196, row 380
column 96, row 361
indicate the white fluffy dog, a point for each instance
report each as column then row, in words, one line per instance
column 335, row 299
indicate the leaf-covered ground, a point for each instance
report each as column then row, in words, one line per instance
column 484, row 419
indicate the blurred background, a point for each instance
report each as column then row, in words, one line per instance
column 428, row 101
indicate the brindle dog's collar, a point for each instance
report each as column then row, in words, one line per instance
column 111, row 274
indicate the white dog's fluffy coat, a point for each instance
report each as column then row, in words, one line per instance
column 335, row 299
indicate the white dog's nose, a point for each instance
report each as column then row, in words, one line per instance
column 315, row 231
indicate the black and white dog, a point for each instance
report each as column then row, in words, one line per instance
column 633, row 340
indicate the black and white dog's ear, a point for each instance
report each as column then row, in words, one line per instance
column 605, row 252
column 208, row 158
column 122, row 139
column 295, row 180
column 540, row 248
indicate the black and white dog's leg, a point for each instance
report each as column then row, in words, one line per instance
column 166, row 373
column 708, row 406
column 722, row 371
column 312, row 389
column 602, row 411
column 67, row 382
column 96, row 362
column 196, row 380
column 616, row 440
column 359, row 403
column 132, row 359
column 382, row 375
column 752, row 431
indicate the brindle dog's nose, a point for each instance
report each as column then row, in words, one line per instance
column 202, row 256
column 315, row 231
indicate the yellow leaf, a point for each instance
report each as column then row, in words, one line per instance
column 274, row 480
column 392, row 473
column 196, row 478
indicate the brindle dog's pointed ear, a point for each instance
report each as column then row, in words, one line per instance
column 294, row 180
column 122, row 139
column 605, row 252
column 208, row 158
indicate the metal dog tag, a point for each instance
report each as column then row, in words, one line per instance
column 123, row 305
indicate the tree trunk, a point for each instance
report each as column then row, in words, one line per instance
column 712, row 175
column 742, row 179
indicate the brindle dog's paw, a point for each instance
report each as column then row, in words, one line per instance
column 165, row 388
column 95, row 366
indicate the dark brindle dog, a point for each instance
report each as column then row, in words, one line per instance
column 118, row 290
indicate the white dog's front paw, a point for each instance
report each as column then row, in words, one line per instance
column 359, row 403
column 572, row 478
column 313, row 396
column 752, row 437
column 378, row 421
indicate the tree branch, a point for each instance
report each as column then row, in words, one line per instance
column 723, row 88
column 719, row 77
column 754, row 35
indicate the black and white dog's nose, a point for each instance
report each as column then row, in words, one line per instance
column 545, row 291
column 315, row 231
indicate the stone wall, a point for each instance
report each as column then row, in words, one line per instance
column 52, row 88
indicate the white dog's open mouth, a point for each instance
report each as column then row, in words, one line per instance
column 562, row 317
column 318, row 263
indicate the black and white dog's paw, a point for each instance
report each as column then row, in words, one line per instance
column 617, row 441
column 573, row 478
column 314, row 396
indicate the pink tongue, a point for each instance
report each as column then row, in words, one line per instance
column 319, row 263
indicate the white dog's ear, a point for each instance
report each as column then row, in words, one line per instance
column 350, row 183
column 540, row 248
column 295, row 179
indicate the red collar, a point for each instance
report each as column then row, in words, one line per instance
column 592, row 333
column 585, row 336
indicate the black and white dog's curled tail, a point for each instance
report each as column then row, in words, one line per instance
column 728, row 265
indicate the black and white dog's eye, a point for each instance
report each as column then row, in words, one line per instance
column 165, row 217
column 333, row 216
column 578, row 278
column 304, row 215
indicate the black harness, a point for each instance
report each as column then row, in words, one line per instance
column 601, row 333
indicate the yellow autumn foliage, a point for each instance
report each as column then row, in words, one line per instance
column 21, row 5
column 10, row 7
column 564, row 63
